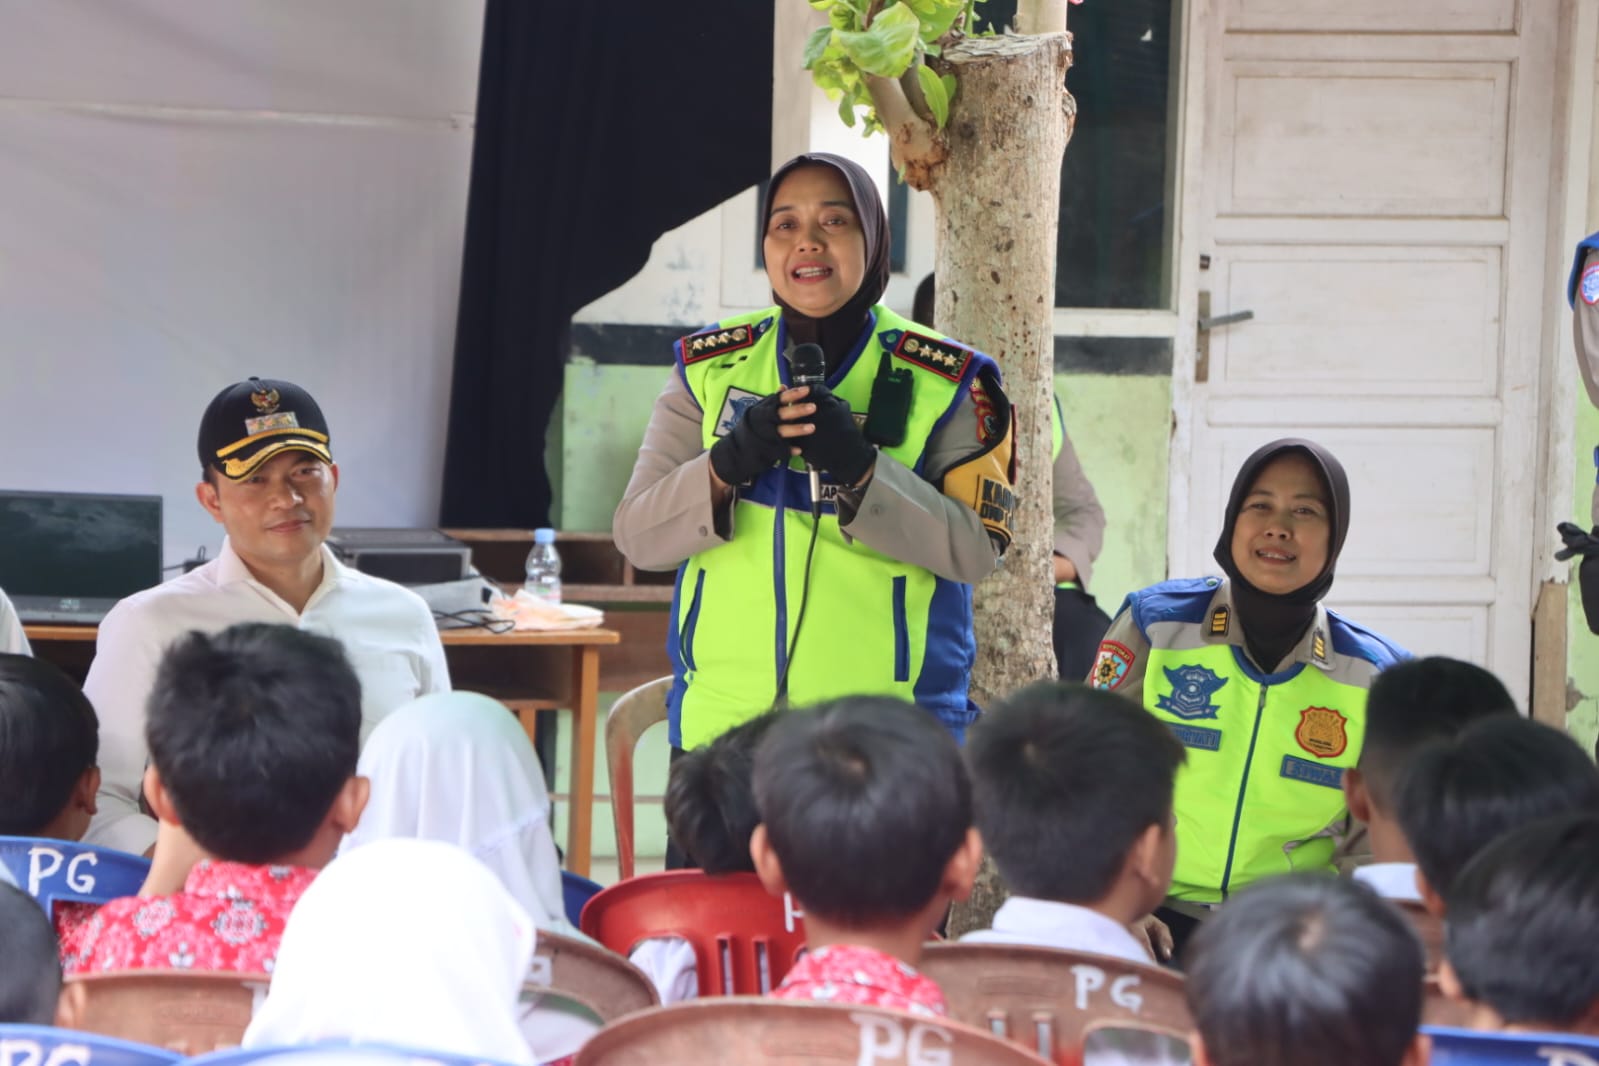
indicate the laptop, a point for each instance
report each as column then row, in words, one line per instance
column 67, row 557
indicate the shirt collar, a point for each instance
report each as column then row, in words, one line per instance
column 1024, row 914
column 231, row 570
column 1221, row 626
column 1390, row 880
column 238, row 880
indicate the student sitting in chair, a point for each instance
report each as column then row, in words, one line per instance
column 1306, row 970
column 866, row 818
column 1073, row 791
column 1498, row 775
column 30, row 979
column 1523, row 921
column 710, row 816
column 1411, row 705
column 253, row 735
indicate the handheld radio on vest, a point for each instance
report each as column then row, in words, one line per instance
column 808, row 366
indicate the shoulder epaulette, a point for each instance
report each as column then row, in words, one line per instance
column 942, row 357
column 721, row 340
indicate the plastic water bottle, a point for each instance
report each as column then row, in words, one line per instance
column 544, row 567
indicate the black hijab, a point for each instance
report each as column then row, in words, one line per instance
column 838, row 332
column 1274, row 622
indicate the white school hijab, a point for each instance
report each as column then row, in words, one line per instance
column 408, row 942
column 458, row 767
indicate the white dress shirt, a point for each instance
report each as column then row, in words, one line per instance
column 387, row 631
column 12, row 639
column 1390, row 880
column 1047, row 924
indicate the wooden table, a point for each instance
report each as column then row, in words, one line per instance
column 526, row 670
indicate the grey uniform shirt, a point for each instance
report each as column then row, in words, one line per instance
column 666, row 514
column 1079, row 519
column 1585, row 332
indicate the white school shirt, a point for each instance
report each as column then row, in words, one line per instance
column 1047, row 924
column 1390, row 880
column 12, row 639
column 387, row 631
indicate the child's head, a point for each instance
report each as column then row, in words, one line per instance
column 710, row 799
column 866, row 814
column 1306, row 970
column 1073, row 791
column 254, row 734
column 1411, row 705
column 1499, row 774
column 49, row 740
column 30, row 980
column 1523, row 922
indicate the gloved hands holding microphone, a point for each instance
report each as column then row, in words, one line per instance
column 808, row 421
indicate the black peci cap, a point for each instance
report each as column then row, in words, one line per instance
column 249, row 423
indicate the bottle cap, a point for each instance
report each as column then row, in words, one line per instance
column 544, row 536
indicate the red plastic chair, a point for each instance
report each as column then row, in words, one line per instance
column 744, row 939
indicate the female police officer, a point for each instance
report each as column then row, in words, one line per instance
column 870, row 592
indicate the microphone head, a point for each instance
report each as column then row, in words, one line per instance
column 807, row 365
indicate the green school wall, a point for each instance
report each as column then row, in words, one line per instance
column 1582, row 647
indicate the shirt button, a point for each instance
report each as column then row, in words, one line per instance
column 877, row 509
column 703, row 531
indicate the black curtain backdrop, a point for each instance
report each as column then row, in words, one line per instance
column 600, row 126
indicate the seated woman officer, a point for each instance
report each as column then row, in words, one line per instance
column 871, row 593
column 1264, row 686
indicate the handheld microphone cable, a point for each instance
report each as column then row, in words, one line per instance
column 806, row 366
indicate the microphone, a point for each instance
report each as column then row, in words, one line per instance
column 808, row 366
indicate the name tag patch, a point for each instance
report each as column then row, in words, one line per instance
column 1297, row 769
column 1193, row 736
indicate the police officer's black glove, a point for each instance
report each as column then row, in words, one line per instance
column 1587, row 546
column 837, row 446
column 753, row 446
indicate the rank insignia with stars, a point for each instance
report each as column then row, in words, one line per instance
column 945, row 358
column 721, row 340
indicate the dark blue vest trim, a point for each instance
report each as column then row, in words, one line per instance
column 840, row 371
column 1259, row 676
column 1358, row 642
column 674, row 648
column 947, row 659
column 1587, row 244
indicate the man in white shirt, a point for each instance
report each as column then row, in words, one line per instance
column 269, row 479
column 12, row 639
column 1073, row 793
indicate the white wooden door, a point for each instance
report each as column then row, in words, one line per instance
column 1370, row 178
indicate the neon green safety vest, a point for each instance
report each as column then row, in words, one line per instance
column 1261, row 790
column 872, row 625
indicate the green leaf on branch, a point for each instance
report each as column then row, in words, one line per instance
column 888, row 48
column 949, row 86
column 846, row 110
column 936, row 16
column 816, row 45
column 934, row 92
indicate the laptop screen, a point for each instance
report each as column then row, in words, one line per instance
column 79, row 545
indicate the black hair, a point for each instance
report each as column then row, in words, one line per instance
column 1413, row 703
column 1306, row 970
column 1499, row 774
column 865, row 800
column 923, row 304
column 254, row 731
column 1065, row 779
column 1523, row 920
column 30, row 980
column 710, row 801
column 49, row 736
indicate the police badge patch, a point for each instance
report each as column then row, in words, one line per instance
column 1589, row 286
column 1191, row 690
column 1111, row 665
column 1321, row 732
column 733, row 407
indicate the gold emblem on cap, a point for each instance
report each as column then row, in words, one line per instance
column 266, row 400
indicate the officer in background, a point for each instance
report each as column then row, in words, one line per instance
column 1079, row 534
column 1582, row 292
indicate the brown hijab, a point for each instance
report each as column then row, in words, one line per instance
column 838, row 332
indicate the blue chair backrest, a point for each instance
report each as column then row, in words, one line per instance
column 333, row 1053
column 52, row 871
column 576, row 891
column 1467, row 1047
column 44, row 1045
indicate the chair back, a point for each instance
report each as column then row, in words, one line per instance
column 744, row 939
column 54, row 871
column 1116, row 1042
column 632, row 713
column 33, row 1045
column 575, row 892
column 1046, row 998
column 190, row 1012
column 756, row 1031
column 1466, row 1047
column 338, row 1053
column 1439, row 1009
column 1429, row 927
column 601, row 981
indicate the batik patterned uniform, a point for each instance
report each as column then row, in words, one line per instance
column 862, row 976
column 229, row 917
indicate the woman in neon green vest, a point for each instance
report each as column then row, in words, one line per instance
column 1264, row 686
column 867, row 588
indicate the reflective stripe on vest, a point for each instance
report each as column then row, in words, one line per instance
column 1265, row 762
column 873, row 625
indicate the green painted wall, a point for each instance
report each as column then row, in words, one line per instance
column 1582, row 647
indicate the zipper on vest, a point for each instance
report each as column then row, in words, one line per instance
column 1243, row 787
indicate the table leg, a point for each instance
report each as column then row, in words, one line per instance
column 585, row 713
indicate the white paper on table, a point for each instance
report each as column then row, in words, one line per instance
column 527, row 611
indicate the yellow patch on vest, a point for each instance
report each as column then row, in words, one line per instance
column 1218, row 621
column 1322, row 732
